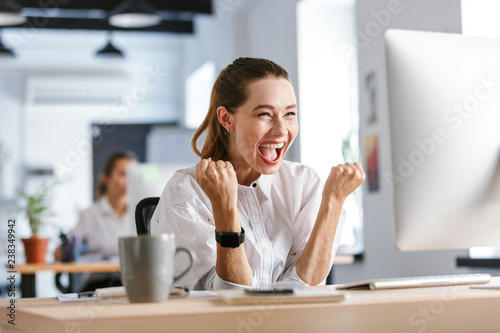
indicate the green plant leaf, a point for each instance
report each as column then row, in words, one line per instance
column 36, row 206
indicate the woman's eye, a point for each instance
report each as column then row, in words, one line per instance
column 264, row 114
column 290, row 114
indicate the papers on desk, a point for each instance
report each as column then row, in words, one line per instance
column 75, row 298
column 232, row 297
column 111, row 293
column 202, row 294
column 305, row 295
column 119, row 293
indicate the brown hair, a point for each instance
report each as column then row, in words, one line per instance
column 230, row 90
column 102, row 189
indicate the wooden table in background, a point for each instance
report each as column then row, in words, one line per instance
column 28, row 272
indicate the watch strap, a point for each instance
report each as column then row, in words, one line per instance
column 230, row 239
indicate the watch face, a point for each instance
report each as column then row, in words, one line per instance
column 229, row 240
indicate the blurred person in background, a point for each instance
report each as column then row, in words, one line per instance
column 105, row 221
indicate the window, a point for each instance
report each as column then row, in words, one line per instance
column 328, row 111
column 198, row 89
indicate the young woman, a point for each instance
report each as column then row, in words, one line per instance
column 105, row 220
column 252, row 218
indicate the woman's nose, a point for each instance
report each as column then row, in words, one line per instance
column 279, row 127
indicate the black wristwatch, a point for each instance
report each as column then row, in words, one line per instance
column 230, row 239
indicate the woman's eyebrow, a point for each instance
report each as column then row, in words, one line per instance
column 263, row 106
column 267, row 106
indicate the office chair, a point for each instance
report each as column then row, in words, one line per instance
column 143, row 213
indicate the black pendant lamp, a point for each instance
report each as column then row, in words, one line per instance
column 5, row 52
column 109, row 50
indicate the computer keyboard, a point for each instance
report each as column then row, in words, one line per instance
column 419, row 281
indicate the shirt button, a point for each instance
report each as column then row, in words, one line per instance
column 254, row 185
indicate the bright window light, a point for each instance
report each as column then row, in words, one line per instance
column 480, row 18
column 328, row 111
column 198, row 89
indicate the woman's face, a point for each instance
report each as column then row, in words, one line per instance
column 116, row 182
column 262, row 129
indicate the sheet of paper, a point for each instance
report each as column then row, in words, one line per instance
column 202, row 293
column 74, row 298
column 305, row 295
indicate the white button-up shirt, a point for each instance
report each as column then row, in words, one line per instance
column 101, row 227
column 277, row 211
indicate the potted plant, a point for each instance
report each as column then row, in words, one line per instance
column 36, row 207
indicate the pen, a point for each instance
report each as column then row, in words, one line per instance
column 86, row 294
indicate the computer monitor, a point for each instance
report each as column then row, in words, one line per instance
column 444, row 112
column 147, row 180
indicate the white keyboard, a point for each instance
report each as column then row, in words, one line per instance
column 419, row 281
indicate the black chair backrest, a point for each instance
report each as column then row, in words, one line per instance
column 143, row 213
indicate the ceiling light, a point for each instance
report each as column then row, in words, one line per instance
column 134, row 14
column 5, row 52
column 109, row 50
column 9, row 13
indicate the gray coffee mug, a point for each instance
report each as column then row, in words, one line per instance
column 147, row 266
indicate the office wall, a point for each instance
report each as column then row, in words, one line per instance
column 381, row 258
column 268, row 29
column 213, row 41
column 11, row 95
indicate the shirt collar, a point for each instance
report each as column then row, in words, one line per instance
column 106, row 206
column 263, row 184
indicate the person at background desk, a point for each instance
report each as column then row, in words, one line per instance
column 106, row 220
column 277, row 222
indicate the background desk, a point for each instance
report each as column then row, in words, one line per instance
column 438, row 309
column 28, row 272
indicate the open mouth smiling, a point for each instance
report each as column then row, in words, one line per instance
column 271, row 152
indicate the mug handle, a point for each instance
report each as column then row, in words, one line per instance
column 191, row 256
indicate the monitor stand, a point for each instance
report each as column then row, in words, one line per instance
column 478, row 262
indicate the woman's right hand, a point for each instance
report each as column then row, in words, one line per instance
column 218, row 181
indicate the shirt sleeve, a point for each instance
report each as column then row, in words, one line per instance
column 219, row 283
column 304, row 224
column 185, row 211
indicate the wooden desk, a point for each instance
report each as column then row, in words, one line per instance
column 28, row 272
column 438, row 309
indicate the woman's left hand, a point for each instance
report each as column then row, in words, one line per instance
column 343, row 180
column 314, row 262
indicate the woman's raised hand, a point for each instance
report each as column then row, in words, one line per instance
column 218, row 181
column 343, row 180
